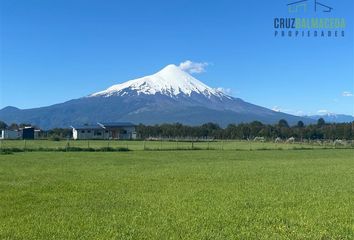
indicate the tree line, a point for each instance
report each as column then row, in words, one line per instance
column 244, row 131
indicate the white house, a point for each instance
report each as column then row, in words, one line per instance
column 10, row 134
column 119, row 130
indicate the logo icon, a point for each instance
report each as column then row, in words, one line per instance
column 303, row 5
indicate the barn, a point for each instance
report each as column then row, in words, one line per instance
column 105, row 131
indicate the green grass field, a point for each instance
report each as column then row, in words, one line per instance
column 303, row 194
column 166, row 145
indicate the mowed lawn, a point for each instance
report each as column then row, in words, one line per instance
column 303, row 194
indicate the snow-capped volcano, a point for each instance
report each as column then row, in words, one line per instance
column 170, row 81
column 168, row 96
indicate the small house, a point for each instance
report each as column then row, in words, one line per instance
column 119, row 130
column 37, row 133
column 104, row 131
column 27, row 133
column 9, row 134
column 88, row 132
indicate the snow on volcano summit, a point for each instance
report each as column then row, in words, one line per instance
column 171, row 81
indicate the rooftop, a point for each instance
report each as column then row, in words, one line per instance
column 104, row 125
column 117, row 124
column 88, row 126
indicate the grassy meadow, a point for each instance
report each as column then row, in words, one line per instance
column 167, row 145
column 302, row 194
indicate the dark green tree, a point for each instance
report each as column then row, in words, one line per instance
column 321, row 122
column 283, row 123
column 3, row 125
column 14, row 126
column 300, row 124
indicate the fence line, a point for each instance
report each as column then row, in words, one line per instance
column 31, row 145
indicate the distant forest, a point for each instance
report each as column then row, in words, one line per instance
column 244, row 131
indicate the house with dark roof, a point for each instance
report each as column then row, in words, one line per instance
column 105, row 131
column 25, row 133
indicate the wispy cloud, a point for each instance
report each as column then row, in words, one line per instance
column 276, row 109
column 288, row 111
column 347, row 94
column 227, row 91
column 193, row 67
column 323, row 112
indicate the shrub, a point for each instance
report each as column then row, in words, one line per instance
column 55, row 138
column 5, row 152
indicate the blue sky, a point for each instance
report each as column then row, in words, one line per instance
column 53, row 51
